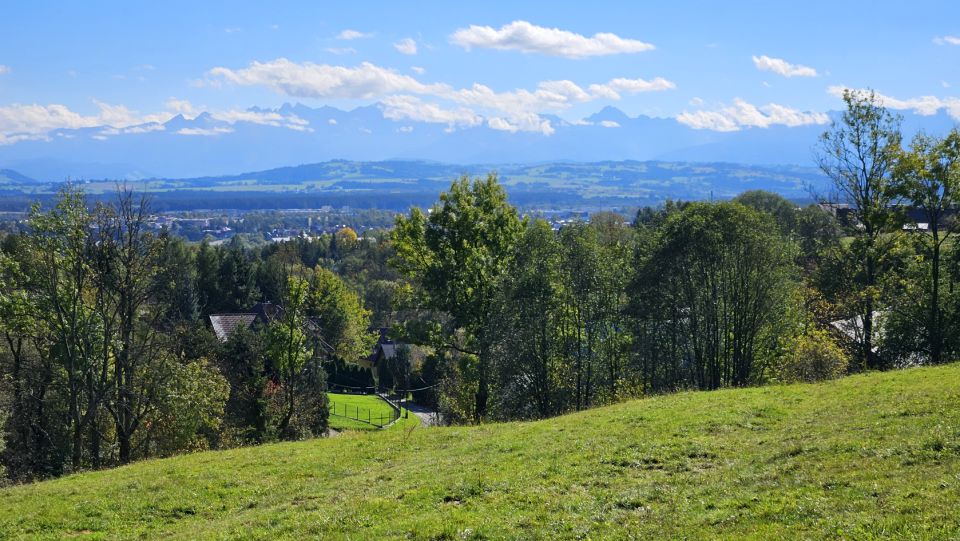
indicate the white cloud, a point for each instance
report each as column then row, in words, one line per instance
column 923, row 105
column 405, row 129
column 413, row 108
column 782, row 67
column 746, row 115
column 4, row 69
column 34, row 122
column 946, row 40
column 609, row 124
column 406, row 46
column 332, row 121
column 352, row 34
column 181, row 107
column 612, row 89
column 696, row 102
column 264, row 118
column 527, row 122
column 529, row 38
column 204, row 132
column 418, row 70
column 309, row 80
column 38, row 119
column 944, row 84
column 369, row 81
column 341, row 50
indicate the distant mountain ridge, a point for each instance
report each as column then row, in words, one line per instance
column 210, row 144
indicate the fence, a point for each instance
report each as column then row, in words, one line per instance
column 378, row 419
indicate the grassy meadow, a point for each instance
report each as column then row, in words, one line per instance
column 874, row 456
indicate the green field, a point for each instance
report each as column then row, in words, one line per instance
column 363, row 407
column 867, row 457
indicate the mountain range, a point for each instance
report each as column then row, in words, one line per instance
column 209, row 144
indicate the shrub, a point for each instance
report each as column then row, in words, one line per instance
column 813, row 356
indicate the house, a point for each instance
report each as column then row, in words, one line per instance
column 224, row 325
column 385, row 351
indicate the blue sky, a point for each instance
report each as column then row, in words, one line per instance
column 710, row 64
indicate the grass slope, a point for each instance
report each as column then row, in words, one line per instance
column 363, row 406
column 873, row 456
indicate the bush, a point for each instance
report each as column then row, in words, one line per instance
column 813, row 356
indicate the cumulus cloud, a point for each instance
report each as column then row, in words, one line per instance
column 782, row 67
column 32, row 122
column 515, row 109
column 406, row 46
column 35, row 122
column 922, row 105
column 264, row 118
column 204, row 132
column 309, row 80
column 349, row 34
column 413, row 108
column 609, row 124
column 746, row 115
column 181, row 107
column 4, row 69
column 612, row 89
column 529, row 38
column 526, row 122
column 947, row 40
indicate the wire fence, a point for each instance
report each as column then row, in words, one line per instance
column 378, row 419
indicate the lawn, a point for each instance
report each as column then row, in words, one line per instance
column 874, row 456
column 364, row 407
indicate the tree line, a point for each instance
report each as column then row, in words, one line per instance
column 528, row 322
column 107, row 355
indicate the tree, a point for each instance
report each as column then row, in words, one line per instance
column 457, row 257
column 59, row 279
column 928, row 176
column 715, row 281
column 129, row 258
column 527, row 328
column 302, row 389
column 287, row 349
column 858, row 154
column 340, row 316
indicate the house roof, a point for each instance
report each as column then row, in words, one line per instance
column 224, row 325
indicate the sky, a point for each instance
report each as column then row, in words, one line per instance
column 711, row 65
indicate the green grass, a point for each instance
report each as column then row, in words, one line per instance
column 362, row 406
column 868, row 457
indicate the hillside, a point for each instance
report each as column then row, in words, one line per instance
column 397, row 184
column 873, row 456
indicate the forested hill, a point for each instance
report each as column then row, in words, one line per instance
column 397, row 184
column 869, row 457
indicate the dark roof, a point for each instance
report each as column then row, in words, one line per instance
column 224, row 325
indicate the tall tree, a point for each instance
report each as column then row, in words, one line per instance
column 457, row 256
column 130, row 256
column 858, row 154
column 928, row 176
